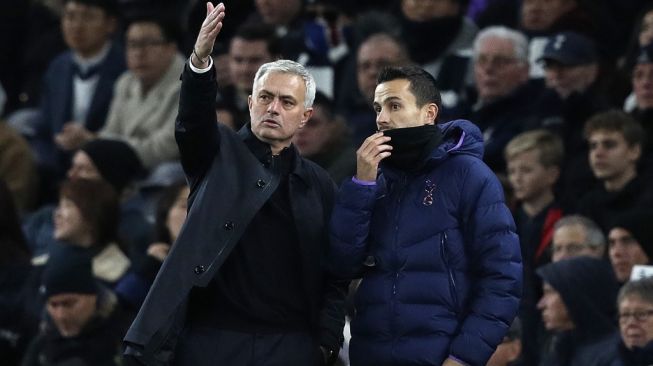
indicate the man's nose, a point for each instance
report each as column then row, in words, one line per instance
column 382, row 116
column 57, row 312
column 274, row 106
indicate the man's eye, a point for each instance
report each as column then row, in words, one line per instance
column 610, row 144
column 395, row 106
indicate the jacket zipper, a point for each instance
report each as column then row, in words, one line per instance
column 444, row 252
column 395, row 251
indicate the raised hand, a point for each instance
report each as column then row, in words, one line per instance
column 368, row 156
column 208, row 32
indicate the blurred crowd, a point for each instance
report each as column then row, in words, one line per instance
column 92, row 194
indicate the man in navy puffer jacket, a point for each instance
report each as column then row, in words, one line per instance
column 429, row 233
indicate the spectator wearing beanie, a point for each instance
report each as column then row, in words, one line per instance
column 578, row 310
column 116, row 163
column 630, row 242
column 112, row 160
column 83, row 324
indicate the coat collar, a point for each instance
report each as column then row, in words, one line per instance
column 263, row 153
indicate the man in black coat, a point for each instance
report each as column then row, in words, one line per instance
column 244, row 282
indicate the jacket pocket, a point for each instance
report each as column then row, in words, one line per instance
column 444, row 253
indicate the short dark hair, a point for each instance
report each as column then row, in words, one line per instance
column 422, row 84
column 170, row 29
column 98, row 204
column 252, row 32
column 110, row 7
column 616, row 121
column 326, row 104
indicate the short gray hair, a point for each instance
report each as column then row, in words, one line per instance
column 593, row 233
column 642, row 288
column 293, row 68
column 517, row 38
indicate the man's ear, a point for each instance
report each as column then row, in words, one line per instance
column 635, row 152
column 249, row 102
column 431, row 113
column 308, row 113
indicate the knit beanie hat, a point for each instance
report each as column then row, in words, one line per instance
column 116, row 160
column 639, row 223
column 68, row 270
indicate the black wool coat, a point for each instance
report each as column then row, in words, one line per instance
column 228, row 187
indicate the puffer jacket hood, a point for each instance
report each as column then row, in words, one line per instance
column 460, row 137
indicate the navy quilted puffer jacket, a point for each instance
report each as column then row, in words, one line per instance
column 438, row 254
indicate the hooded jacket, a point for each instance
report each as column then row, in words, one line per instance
column 439, row 257
column 588, row 289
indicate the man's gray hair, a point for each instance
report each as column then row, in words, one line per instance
column 642, row 288
column 593, row 233
column 517, row 38
column 293, row 68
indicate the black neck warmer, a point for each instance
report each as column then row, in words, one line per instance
column 411, row 146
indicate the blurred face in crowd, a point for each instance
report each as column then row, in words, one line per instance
column 278, row 12
column 69, row 225
column 528, row 178
column 506, row 352
column 82, row 167
column 646, row 31
column 86, row 28
column 226, row 118
column 554, row 312
column 424, row 10
column 149, row 54
column 496, row 69
column 276, row 108
column 625, row 252
column 541, row 14
column 177, row 213
column 222, row 72
column 566, row 80
column 396, row 107
column 245, row 57
column 373, row 55
column 314, row 137
column 71, row 312
column 643, row 85
column 635, row 321
column 571, row 241
column 610, row 155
